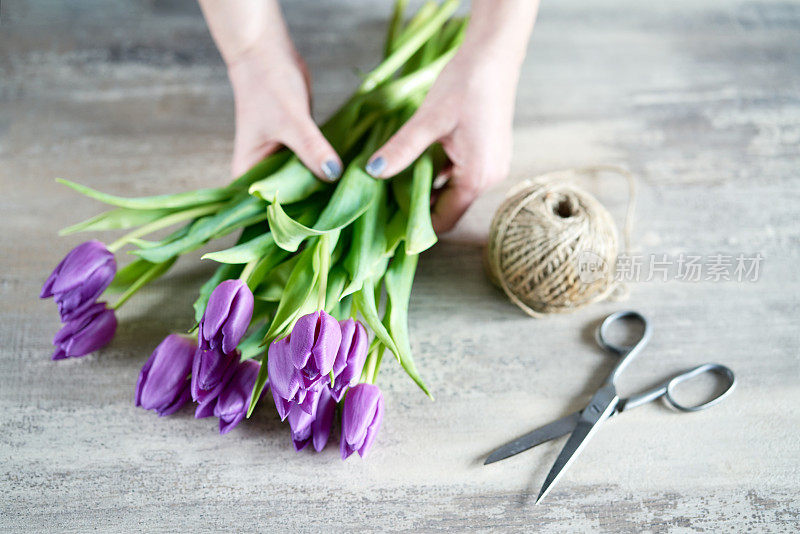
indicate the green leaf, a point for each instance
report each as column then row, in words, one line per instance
column 117, row 219
column 252, row 345
column 365, row 301
column 261, row 170
column 336, row 281
column 272, row 285
column 293, row 181
column 342, row 309
column 238, row 214
column 398, row 281
column 245, row 252
column 395, row 231
column 353, row 195
column 178, row 200
column 419, row 232
column 223, row 272
column 401, row 189
column 366, row 258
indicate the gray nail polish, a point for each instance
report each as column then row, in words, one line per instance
column 376, row 166
column 331, row 169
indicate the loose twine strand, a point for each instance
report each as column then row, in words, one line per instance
column 545, row 235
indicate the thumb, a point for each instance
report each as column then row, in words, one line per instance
column 308, row 143
column 421, row 131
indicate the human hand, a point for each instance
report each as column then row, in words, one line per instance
column 271, row 86
column 272, row 100
column 469, row 110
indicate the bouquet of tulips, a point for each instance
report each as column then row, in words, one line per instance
column 292, row 304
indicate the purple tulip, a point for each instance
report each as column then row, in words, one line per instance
column 315, row 427
column 227, row 316
column 350, row 358
column 361, row 419
column 211, row 370
column 314, row 343
column 85, row 333
column 233, row 402
column 286, row 382
column 163, row 383
column 83, row 274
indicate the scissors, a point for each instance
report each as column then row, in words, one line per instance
column 605, row 402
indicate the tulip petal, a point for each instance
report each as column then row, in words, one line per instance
column 234, row 400
column 321, row 427
column 238, row 319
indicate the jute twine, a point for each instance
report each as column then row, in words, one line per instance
column 553, row 247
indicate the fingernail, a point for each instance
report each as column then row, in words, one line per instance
column 376, row 166
column 331, row 169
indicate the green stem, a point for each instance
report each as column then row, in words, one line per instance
column 424, row 13
column 373, row 364
column 395, row 26
column 396, row 60
column 164, row 222
column 324, row 267
column 151, row 274
column 247, row 271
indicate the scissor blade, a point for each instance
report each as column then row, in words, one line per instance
column 556, row 429
column 600, row 408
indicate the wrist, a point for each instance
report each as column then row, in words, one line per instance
column 500, row 30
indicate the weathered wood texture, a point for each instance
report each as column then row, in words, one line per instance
column 701, row 99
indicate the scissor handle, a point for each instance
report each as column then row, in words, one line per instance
column 627, row 352
column 714, row 368
column 668, row 387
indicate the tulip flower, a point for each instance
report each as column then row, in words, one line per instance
column 163, row 383
column 350, row 358
column 227, row 316
column 286, row 382
column 85, row 333
column 314, row 427
column 361, row 419
column 80, row 278
column 211, row 370
column 313, row 345
column 234, row 400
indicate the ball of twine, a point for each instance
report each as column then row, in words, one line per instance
column 552, row 246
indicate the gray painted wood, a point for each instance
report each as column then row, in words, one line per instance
column 699, row 98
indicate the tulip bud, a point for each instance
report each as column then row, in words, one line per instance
column 350, row 358
column 314, row 427
column 286, row 382
column 234, row 400
column 211, row 370
column 85, row 333
column 361, row 419
column 83, row 274
column 227, row 316
column 314, row 343
column 163, row 383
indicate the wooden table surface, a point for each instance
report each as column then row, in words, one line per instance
column 700, row 99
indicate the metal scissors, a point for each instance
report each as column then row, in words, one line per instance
column 605, row 402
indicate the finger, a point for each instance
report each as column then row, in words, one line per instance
column 451, row 206
column 305, row 140
column 405, row 146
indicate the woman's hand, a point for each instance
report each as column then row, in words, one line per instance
column 271, row 86
column 272, row 96
column 469, row 110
